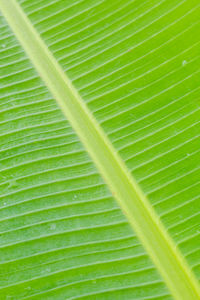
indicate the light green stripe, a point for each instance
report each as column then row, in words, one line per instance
column 169, row 261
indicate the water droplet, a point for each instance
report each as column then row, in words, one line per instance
column 184, row 62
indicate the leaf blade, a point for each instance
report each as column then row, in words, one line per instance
column 108, row 162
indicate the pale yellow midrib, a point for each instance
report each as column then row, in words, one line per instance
column 168, row 260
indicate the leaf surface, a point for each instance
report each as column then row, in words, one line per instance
column 136, row 66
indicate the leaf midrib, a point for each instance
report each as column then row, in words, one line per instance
column 168, row 260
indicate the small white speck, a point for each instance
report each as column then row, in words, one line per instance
column 3, row 46
column 94, row 281
column 12, row 183
column 184, row 62
column 75, row 196
column 4, row 203
column 53, row 226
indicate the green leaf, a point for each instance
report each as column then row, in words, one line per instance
column 125, row 74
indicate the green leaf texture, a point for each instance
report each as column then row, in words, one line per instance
column 134, row 66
